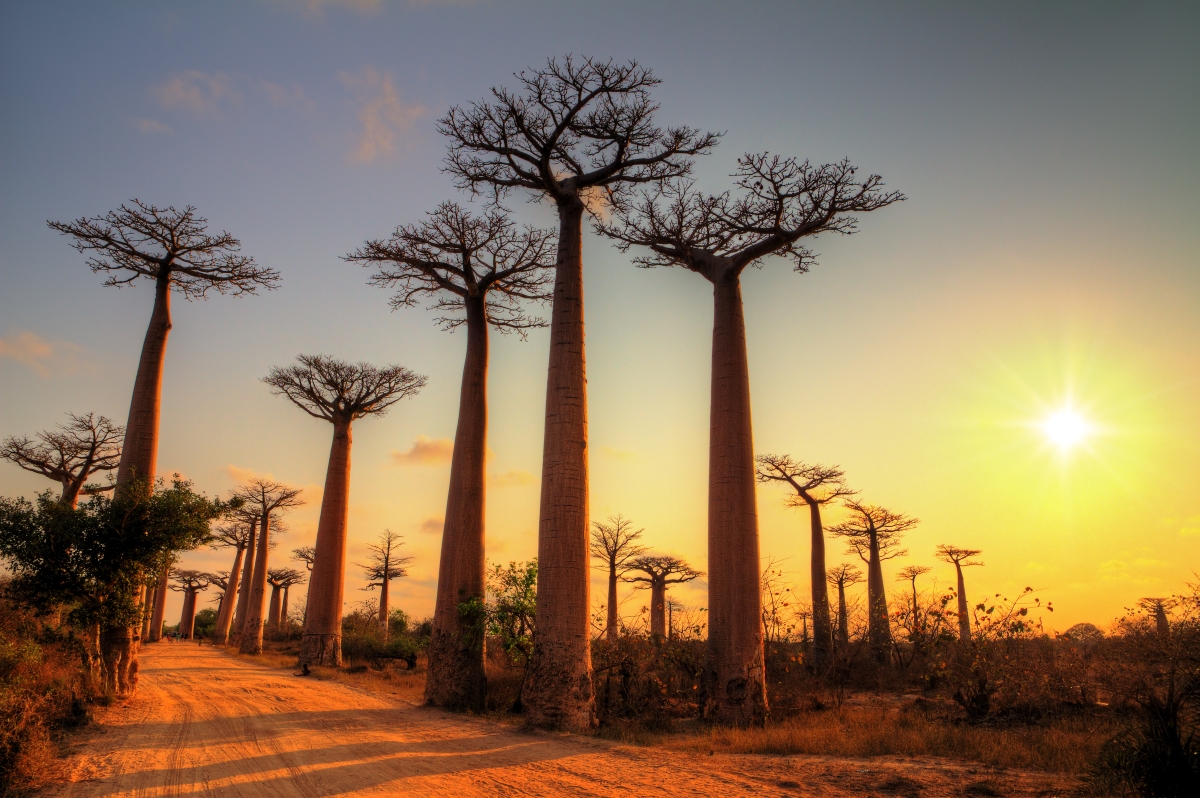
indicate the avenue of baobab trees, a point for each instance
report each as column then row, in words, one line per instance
column 582, row 134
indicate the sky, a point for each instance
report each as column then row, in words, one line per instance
column 1046, row 258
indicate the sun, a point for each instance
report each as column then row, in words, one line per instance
column 1066, row 428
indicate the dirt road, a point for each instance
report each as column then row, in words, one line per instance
column 204, row 723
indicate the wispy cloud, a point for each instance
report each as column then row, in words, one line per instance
column 380, row 112
column 198, row 93
column 425, row 451
column 152, row 126
column 45, row 358
column 432, row 525
column 511, row 479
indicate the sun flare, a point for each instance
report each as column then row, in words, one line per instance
column 1066, row 428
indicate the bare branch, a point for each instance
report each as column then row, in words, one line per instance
column 335, row 390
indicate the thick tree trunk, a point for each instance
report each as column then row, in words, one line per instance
column 160, row 605
column 964, row 618
column 188, row 618
column 1161, row 622
column 658, row 610
column 225, row 614
column 273, row 609
column 282, row 621
column 456, row 678
column 72, row 488
column 822, row 631
column 139, row 453
column 879, row 630
column 559, row 692
column 256, row 597
column 322, row 642
column 734, row 680
column 843, row 633
column 148, row 610
column 611, row 631
column 239, row 614
column 120, row 665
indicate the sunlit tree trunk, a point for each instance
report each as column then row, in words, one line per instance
column 734, row 682
column 559, row 692
column 612, row 631
column 160, row 605
column 239, row 615
column 256, row 597
column 322, row 643
column 187, row 619
column 821, row 627
column 273, row 609
column 964, row 618
column 225, row 613
column 148, row 610
column 282, row 621
column 456, row 675
column 879, row 630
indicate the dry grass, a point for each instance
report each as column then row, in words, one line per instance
column 1064, row 746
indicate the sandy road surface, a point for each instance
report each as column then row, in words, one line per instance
column 204, row 723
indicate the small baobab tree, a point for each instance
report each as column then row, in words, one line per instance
column 961, row 558
column 874, row 534
column 910, row 574
column 235, row 535
column 189, row 583
column 815, row 486
column 482, row 270
column 84, row 446
column 615, row 544
column 306, row 555
column 250, row 517
column 287, row 578
column 656, row 573
column 386, row 564
column 779, row 202
column 337, row 392
column 266, row 498
column 576, row 130
column 1158, row 608
column 841, row 576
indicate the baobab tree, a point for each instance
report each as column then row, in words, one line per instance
column 250, row 517
column 779, row 202
column 910, row 574
column 267, row 498
column 235, row 535
column 219, row 580
column 84, row 446
column 189, row 583
column 158, row 614
column 286, row 577
column 615, row 544
column 1157, row 607
column 874, row 534
column 815, row 486
column 477, row 271
column 306, row 555
column 840, row 576
column 386, row 564
column 658, row 572
column 337, row 392
column 574, row 131
column 961, row 558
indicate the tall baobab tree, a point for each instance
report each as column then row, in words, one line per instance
column 481, row 270
column 189, row 583
column 84, row 446
column 658, row 572
column 574, row 131
column 266, row 497
column 779, row 202
column 158, row 614
column 815, row 486
column 615, row 544
column 1158, row 607
column 250, row 517
column 840, row 576
column 286, row 577
column 337, row 392
column 961, row 558
column 386, row 564
column 874, row 534
column 235, row 535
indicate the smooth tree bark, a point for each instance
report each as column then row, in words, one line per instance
column 268, row 499
column 157, row 617
column 874, row 533
column 235, row 535
column 961, row 558
column 189, row 583
column 173, row 249
column 337, row 392
column 386, row 564
column 481, row 269
column 238, row 620
column 815, row 486
column 840, row 576
column 615, row 544
column 658, row 572
column 779, row 203
column 576, row 131
column 85, row 446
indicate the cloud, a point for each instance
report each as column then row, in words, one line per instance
column 152, row 126
column 1190, row 528
column 512, row 479
column 618, row 454
column 317, row 6
column 46, row 358
column 432, row 525
column 380, row 112
column 198, row 93
column 425, row 451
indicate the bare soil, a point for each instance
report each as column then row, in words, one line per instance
column 205, row 723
